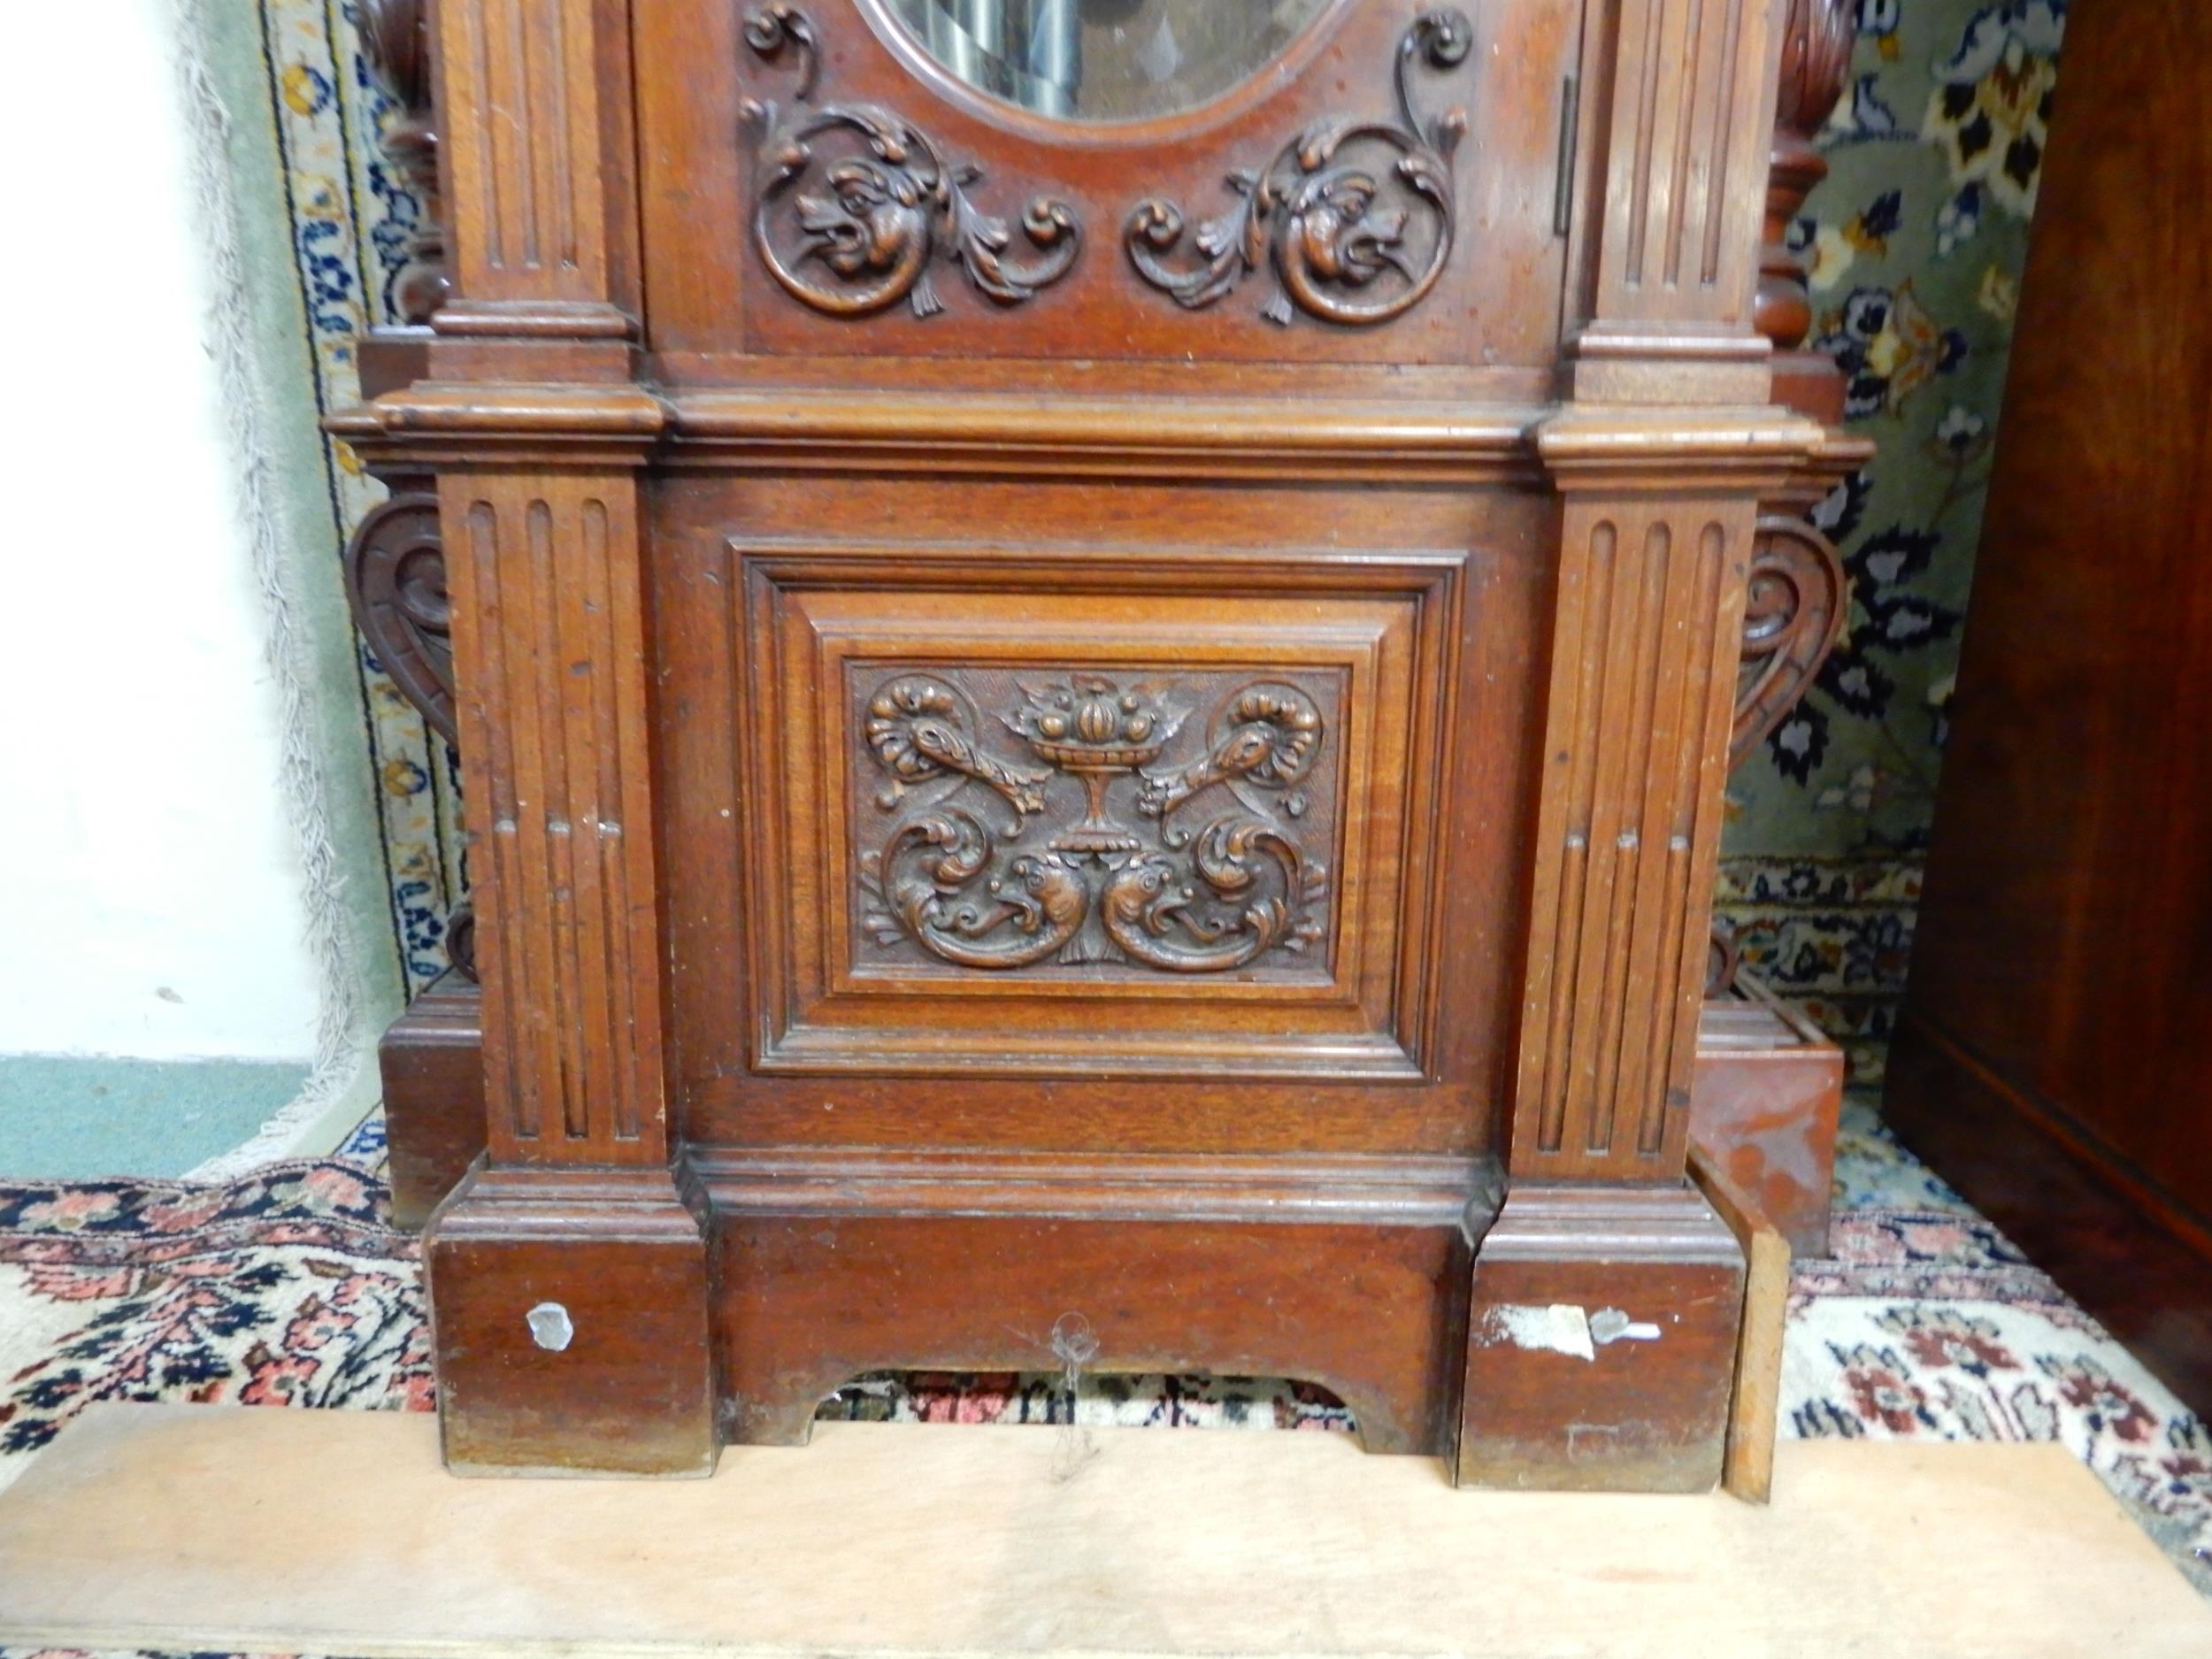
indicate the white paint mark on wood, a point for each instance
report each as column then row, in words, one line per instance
column 1562, row 1328
column 1611, row 1325
column 550, row 1327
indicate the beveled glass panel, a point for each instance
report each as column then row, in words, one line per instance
column 1105, row 60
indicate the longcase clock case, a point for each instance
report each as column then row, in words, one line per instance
column 1092, row 740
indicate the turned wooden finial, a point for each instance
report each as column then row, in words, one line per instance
column 396, row 40
column 1816, row 63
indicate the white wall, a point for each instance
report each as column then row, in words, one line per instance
column 150, row 888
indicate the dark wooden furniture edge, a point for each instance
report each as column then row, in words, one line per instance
column 2139, row 1264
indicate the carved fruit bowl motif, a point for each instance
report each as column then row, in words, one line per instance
column 1216, row 894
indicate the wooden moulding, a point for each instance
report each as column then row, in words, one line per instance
column 1348, row 1273
column 1764, row 1104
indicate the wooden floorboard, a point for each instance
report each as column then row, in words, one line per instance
column 337, row 1532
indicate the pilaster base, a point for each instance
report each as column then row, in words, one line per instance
column 570, row 1317
column 1601, row 1342
column 432, row 1060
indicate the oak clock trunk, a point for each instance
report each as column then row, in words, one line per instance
column 1094, row 652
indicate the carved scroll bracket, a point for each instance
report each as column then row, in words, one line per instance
column 395, row 583
column 395, row 577
column 1793, row 617
column 1333, row 214
column 1795, row 613
column 854, row 203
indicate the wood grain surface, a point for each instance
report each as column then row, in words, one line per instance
column 267, row 1530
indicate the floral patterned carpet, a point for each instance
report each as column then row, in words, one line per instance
column 287, row 1288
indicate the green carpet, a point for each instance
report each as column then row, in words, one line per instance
column 75, row 1119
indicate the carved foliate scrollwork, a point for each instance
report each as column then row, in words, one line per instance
column 912, row 726
column 1794, row 616
column 1028, row 908
column 395, row 577
column 396, row 583
column 1099, row 880
column 1274, row 735
column 854, row 203
column 1333, row 213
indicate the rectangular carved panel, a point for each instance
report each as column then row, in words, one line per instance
column 1100, row 823
column 1651, row 598
column 1135, row 828
column 549, row 649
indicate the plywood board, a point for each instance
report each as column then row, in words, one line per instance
column 335, row 1531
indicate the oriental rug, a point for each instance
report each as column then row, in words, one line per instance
column 286, row 1287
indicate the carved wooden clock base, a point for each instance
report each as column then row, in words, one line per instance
column 1589, row 1343
column 1049, row 799
column 822, row 1270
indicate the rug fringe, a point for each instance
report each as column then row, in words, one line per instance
column 340, row 1054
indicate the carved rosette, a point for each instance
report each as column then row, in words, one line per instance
column 1355, row 217
column 1137, row 881
column 854, row 203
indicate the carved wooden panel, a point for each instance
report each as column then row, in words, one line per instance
column 853, row 203
column 816, row 186
column 990, row 829
column 1794, row 613
column 1643, row 684
column 549, row 641
column 1354, row 217
column 1097, row 823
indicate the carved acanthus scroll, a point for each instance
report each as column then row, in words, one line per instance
column 1333, row 213
column 395, row 581
column 395, row 577
column 1794, row 616
column 853, row 201
column 1118, row 878
column 913, row 728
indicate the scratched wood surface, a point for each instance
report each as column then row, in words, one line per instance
column 157, row 1527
